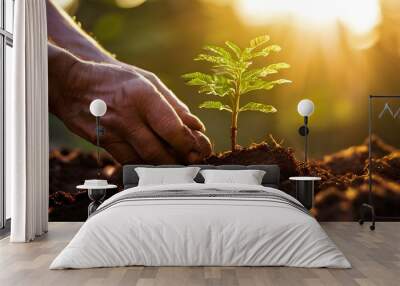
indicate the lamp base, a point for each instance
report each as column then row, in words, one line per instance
column 96, row 196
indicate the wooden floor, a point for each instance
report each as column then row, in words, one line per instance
column 375, row 257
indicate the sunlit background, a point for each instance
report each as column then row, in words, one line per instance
column 340, row 52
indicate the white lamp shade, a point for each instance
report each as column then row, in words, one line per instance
column 305, row 107
column 98, row 107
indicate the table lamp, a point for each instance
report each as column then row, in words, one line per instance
column 305, row 108
column 98, row 108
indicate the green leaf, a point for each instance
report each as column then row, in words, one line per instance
column 215, row 105
column 257, row 73
column 197, row 78
column 226, row 69
column 219, row 51
column 256, row 42
column 270, row 85
column 279, row 66
column 262, row 85
column 280, row 81
column 211, row 59
column 254, row 106
column 212, row 90
column 215, row 85
column 200, row 75
column 207, row 89
column 250, row 54
column 221, row 85
column 264, row 71
column 196, row 81
column 266, row 51
column 248, row 86
column 234, row 48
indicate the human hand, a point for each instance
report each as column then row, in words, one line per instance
column 141, row 124
column 181, row 109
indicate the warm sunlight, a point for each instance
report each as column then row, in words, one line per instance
column 359, row 16
column 64, row 3
column 129, row 3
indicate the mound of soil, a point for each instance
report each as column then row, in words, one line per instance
column 352, row 160
column 267, row 152
column 343, row 188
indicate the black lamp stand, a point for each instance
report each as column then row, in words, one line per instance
column 97, row 195
column 99, row 132
column 304, row 131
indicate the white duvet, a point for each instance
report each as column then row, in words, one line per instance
column 193, row 231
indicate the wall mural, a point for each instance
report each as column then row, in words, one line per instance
column 260, row 56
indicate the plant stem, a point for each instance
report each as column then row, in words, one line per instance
column 234, row 123
column 235, row 112
column 234, row 130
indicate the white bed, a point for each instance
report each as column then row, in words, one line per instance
column 202, row 231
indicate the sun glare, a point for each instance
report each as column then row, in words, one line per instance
column 64, row 3
column 359, row 16
column 129, row 3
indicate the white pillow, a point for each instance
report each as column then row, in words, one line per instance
column 165, row 176
column 248, row 177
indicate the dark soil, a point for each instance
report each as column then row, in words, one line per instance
column 343, row 188
column 263, row 153
column 68, row 169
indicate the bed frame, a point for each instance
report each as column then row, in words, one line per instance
column 271, row 177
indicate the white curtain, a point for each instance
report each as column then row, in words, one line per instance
column 27, row 144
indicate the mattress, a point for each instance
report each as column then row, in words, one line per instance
column 201, row 225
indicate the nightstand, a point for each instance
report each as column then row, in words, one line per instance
column 97, row 190
column 305, row 190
